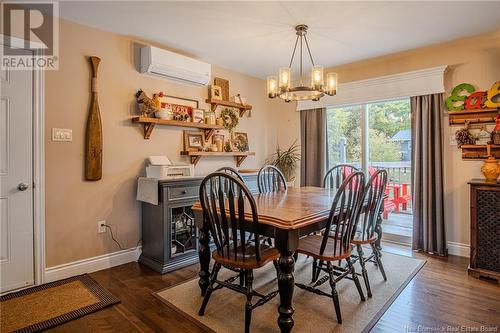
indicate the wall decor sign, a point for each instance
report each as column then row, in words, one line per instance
column 465, row 97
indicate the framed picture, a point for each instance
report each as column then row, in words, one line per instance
column 216, row 92
column 180, row 101
column 198, row 116
column 240, row 141
column 218, row 140
column 193, row 140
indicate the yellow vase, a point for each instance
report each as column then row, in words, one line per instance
column 491, row 169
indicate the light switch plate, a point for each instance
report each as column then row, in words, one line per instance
column 62, row 134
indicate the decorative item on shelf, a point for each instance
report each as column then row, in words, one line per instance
column 465, row 97
column 493, row 96
column 240, row 141
column 148, row 105
column 93, row 137
column 483, row 136
column 214, row 148
column 490, row 168
column 219, row 121
column 495, row 134
column 224, row 86
column 218, row 140
column 238, row 99
column 464, row 137
column 165, row 112
column 227, row 146
column 286, row 160
column 210, row 118
column 198, row 116
column 457, row 97
column 230, row 119
column 193, row 140
column 215, row 93
column 283, row 88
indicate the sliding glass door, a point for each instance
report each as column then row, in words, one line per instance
column 377, row 136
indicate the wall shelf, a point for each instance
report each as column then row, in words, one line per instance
column 239, row 156
column 149, row 124
column 473, row 116
column 478, row 152
column 214, row 103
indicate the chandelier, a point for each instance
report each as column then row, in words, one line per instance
column 283, row 88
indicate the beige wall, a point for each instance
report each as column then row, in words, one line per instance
column 73, row 205
column 475, row 60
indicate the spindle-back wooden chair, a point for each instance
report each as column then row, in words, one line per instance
column 335, row 243
column 228, row 206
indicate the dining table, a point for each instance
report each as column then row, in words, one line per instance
column 286, row 216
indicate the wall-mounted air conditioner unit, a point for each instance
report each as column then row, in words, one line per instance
column 174, row 66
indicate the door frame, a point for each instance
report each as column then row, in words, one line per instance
column 38, row 149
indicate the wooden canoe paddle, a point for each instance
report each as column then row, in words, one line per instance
column 93, row 140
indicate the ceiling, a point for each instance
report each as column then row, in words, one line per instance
column 256, row 38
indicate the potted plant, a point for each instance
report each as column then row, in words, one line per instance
column 287, row 161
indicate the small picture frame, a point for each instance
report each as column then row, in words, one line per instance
column 240, row 141
column 218, row 140
column 194, row 140
column 216, row 92
column 198, row 116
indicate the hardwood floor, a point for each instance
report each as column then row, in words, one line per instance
column 441, row 295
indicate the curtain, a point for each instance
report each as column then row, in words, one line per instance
column 313, row 149
column 427, row 165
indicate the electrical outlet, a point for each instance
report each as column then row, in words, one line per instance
column 452, row 140
column 101, row 227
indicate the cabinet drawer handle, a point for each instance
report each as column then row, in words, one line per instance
column 183, row 192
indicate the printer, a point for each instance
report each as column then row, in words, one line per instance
column 160, row 167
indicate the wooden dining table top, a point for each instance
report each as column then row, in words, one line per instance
column 291, row 209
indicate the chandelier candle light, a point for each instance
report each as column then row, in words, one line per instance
column 283, row 89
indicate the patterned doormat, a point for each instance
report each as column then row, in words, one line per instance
column 51, row 304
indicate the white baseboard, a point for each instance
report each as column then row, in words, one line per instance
column 458, row 249
column 90, row 265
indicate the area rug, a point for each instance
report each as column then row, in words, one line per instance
column 51, row 304
column 313, row 313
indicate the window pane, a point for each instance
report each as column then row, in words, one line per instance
column 344, row 135
column 389, row 140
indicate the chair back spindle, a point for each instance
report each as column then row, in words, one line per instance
column 224, row 199
column 271, row 179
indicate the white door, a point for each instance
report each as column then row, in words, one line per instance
column 16, row 179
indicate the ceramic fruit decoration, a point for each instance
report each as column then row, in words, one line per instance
column 456, row 97
column 93, row 140
column 490, row 168
column 493, row 96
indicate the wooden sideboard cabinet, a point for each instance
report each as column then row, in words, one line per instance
column 485, row 229
column 169, row 235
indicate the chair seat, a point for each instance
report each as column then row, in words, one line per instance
column 249, row 261
column 364, row 241
column 310, row 245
